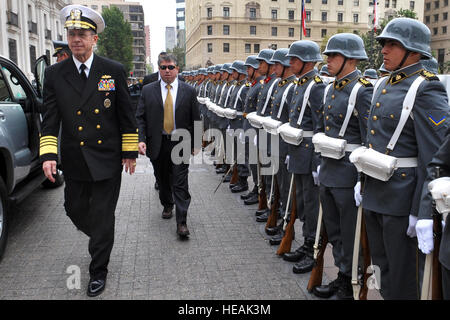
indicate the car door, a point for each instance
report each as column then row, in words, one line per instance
column 14, row 133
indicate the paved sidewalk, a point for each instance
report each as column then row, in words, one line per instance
column 227, row 256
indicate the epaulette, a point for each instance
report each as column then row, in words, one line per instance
column 428, row 75
column 317, row 79
column 296, row 82
column 247, row 84
column 366, row 83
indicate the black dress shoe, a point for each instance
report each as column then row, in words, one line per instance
column 305, row 265
column 221, row 170
column 260, row 212
column 345, row 291
column 251, row 200
column 295, row 256
column 95, row 287
column 276, row 239
column 250, row 194
column 263, row 217
column 182, row 230
column 167, row 213
column 239, row 188
column 227, row 178
column 275, row 230
column 328, row 290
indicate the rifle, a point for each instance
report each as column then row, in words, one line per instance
column 262, row 197
column 288, row 228
column 272, row 219
column 432, row 277
column 223, row 178
column 320, row 245
column 235, row 176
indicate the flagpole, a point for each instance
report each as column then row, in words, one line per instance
column 301, row 21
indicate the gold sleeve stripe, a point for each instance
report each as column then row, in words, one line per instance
column 49, row 138
column 130, row 148
column 130, row 135
column 48, row 149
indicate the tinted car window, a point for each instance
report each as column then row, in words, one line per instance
column 14, row 84
column 4, row 92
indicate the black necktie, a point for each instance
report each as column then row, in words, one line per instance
column 82, row 73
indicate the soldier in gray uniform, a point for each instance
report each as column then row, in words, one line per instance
column 391, row 207
column 279, row 110
column 236, row 102
column 430, row 65
column 424, row 226
column 338, row 177
column 303, row 162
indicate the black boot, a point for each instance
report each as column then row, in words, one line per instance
column 275, row 230
column 276, row 239
column 306, row 263
column 260, row 212
column 297, row 255
column 241, row 186
column 250, row 194
column 345, row 291
column 222, row 170
column 252, row 200
column 328, row 290
column 228, row 177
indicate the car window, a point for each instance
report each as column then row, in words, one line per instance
column 14, row 84
column 4, row 92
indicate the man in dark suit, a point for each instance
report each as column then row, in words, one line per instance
column 87, row 97
column 155, row 76
column 163, row 107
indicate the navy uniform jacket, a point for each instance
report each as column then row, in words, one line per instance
column 229, row 88
column 275, row 105
column 342, row 173
column 251, row 99
column 98, row 124
column 302, row 159
column 262, row 95
column 237, row 123
column 420, row 138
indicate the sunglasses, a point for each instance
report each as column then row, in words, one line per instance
column 171, row 67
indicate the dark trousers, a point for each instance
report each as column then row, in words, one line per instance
column 395, row 253
column 91, row 206
column 307, row 196
column 339, row 216
column 173, row 180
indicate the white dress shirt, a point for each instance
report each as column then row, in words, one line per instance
column 173, row 92
column 88, row 64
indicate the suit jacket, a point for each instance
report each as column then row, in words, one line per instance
column 150, row 114
column 98, row 125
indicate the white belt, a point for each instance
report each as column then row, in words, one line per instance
column 308, row 134
column 238, row 113
column 406, row 162
column 350, row 147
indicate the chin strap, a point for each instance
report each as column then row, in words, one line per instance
column 342, row 67
column 403, row 60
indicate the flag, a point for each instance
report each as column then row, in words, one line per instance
column 375, row 14
column 303, row 18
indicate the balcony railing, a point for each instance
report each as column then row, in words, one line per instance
column 13, row 18
column 32, row 27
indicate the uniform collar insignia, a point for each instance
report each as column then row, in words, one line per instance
column 304, row 80
column 339, row 84
column 268, row 79
column 397, row 77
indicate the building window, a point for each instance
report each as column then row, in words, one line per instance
column 324, row 33
column 274, row 31
column 445, row 3
column 427, row 6
column 324, row 16
column 394, row 4
column 226, row 12
column 308, row 32
column 252, row 13
column 226, row 30
column 444, row 30
column 226, row 47
column 355, row 18
column 209, row 47
column 340, row 17
column 435, row 31
column 440, row 57
column 307, row 1
column 386, row 4
column 253, row 30
column 32, row 55
column 445, row 16
column 324, row 1
column 291, row 32
column 13, row 50
column 436, row 4
column 356, row 3
column 248, row 48
column 427, row 19
column 256, row 48
column 308, row 15
column 411, row 5
column 340, row 2
column 274, row 14
column 209, row 13
column 274, row 46
column 436, row 17
column 291, row 0
column 291, row 14
column 209, row 30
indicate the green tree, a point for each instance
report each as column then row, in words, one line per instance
column 179, row 54
column 116, row 41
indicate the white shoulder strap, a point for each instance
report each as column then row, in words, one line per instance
column 238, row 96
column 228, row 95
column 376, row 86
column 350, row 107
column 305, row 102
column 408, row 104
column 269, row 94
column 283, row 99
column 327, row 88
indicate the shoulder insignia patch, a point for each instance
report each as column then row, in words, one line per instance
column 317, row 79
column 428, row 75
column 365, row 82
column 436, row 122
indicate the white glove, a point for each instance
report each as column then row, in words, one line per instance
column 357, row 195
column 255, row 140
column 411, row 232
column 318, row 170
column 316, row 177
column 424, row 229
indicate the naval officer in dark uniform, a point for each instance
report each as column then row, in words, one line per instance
column 88, row 96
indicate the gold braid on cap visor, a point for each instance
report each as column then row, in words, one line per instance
column 79, row 24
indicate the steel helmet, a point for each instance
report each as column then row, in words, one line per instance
column 412, row 34
column 265, row 55
column 383, row 69
column 226, row 68
column 280, row 56
column 324, row 70
column 202, row 71
column 239, row 67
column 210, row 69
column 252, row 61
column 305, row 50
column 370, row 73
column 430, row 64
column 217, row 68
column 348, row 44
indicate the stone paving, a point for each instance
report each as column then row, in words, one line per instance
column 228, row 255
